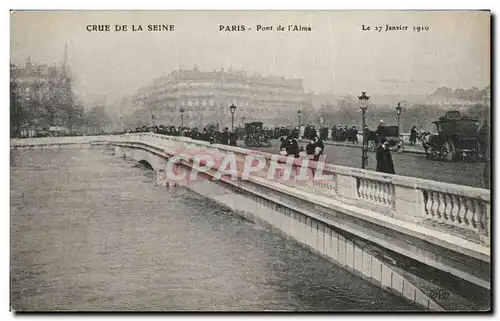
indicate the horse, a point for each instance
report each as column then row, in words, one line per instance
column 425, row 138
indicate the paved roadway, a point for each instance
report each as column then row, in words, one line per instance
column 470, row 174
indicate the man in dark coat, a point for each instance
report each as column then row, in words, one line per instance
column 384, row 158
column 224, row 137
column 334, row 133
column 292, row 148
column 413, row 135
column 233, row 138
column 310, row 148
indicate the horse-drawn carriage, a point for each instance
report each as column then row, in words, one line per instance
column 255, row 135
column 458, row 137
column 390, row 133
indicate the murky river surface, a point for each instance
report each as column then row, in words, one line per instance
column 90, row 231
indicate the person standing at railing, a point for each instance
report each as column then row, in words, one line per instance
column 334, row 133
column 354, row 135
column 233, row 137
column 224, row 137
column 310, row 149
column 413, row 136
column 293, row 148
column 384, row 158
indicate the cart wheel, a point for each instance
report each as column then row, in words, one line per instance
column 478, row 152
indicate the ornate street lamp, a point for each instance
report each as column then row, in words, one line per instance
column 363, row 105
column 232, row 108
column 182, row 117
column 398, row 110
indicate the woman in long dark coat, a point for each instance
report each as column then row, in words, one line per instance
column 384, row 158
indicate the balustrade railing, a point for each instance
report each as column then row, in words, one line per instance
column 375, row 191
column 457, row 210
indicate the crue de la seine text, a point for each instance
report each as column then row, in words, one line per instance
column 133, row 28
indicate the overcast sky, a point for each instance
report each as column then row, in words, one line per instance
column 337, row 56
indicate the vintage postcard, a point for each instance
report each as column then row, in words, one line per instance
column 250, row 161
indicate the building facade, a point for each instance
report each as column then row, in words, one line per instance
column 205, row 98
column 42, row 96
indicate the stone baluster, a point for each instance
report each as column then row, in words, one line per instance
column 454, row 211
column 373, row 190
column 469, row 214
column 384, row 196
column 362, row 188
column 440, row 209
column 487, row 222
column 376, row 190
column 377, row 196
column 428, row 204
column 369, row 190
column 359, row 187
column 364, row 185
column 435, row 206
column 476, row 218
column 447, row 208
column 483, row 223
column 432, row 205
column 381, row 194
column 387, row 194
column 462, row 210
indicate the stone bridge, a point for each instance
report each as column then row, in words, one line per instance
column 424, row 240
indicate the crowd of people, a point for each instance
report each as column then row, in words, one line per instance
column 289, row 146
column 340, row 133
column 210, row 133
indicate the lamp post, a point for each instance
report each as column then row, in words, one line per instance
column 398, row 110
column 182, row 117
column 232, row 109
column 363, row 105
column 299, row 114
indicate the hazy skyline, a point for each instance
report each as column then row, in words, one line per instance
column 337, row 56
